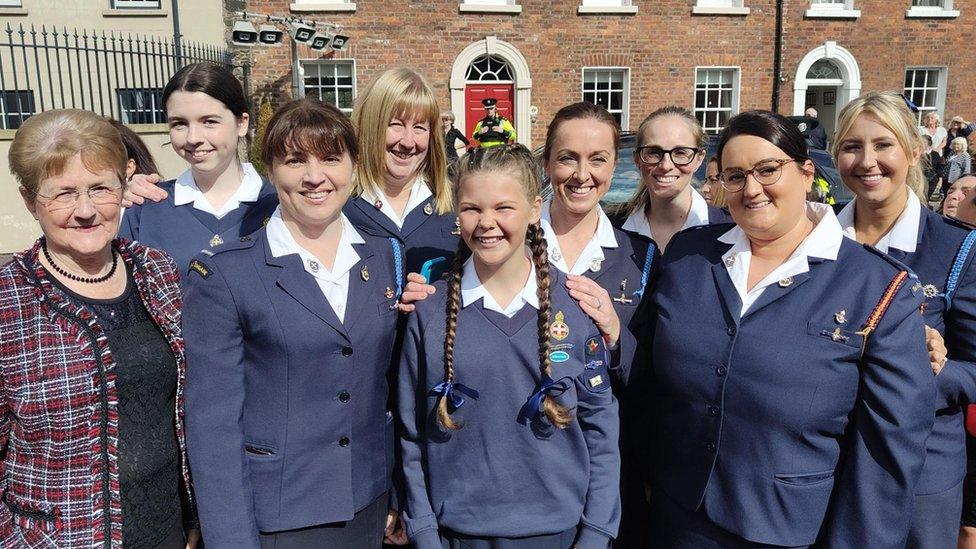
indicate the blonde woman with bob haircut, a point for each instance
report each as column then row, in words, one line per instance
column 401, row 179
column 878, row 152
column 92, row 358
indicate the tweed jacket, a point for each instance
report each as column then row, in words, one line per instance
column 59, row 471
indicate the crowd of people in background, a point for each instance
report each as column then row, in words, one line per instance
column 384, row 341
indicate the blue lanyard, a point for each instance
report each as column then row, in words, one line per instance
column 647, row 270
column 956, row 271
column 398, row 268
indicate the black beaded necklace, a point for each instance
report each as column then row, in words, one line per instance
column 76, row 278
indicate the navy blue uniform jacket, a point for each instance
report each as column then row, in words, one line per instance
column 774, row 423
column 497, row 476
column 287, row 418
column 424, row 235
column 938, row 242
column 182, row 231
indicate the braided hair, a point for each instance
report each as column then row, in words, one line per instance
column 518, row 161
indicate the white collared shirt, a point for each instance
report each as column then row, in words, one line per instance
column 903, row 234
column 592, row 254
column 335, row 283
column 186, row 191
column 697, row 215
column 472, row 290
column 823, row 242
column 419, row 192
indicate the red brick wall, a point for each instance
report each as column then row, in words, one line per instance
column 662, row 44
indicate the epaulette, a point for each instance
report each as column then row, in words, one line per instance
column 894, row 262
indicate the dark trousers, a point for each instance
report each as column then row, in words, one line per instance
column 364, row 531
column 561, row 540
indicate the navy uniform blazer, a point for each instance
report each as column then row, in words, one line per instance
column 939, row 239
column 424, row 235
column 287, row 419
column 774, row 424
column 182, row 231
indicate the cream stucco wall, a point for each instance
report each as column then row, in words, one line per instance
column 200, row 20
column 18, row 229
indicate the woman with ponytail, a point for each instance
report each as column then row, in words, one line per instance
column 476, row 368
column 878, row 153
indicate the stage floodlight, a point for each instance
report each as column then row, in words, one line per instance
column 300, row 32
column 244, row 34
column 269, row 34
column 320, row 41
column 340, row 42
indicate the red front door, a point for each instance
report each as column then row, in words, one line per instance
column 475, row 111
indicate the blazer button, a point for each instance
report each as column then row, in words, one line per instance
column 713, row 410
column 347, row 351
column 731, row 330
column 710, row 447
column 344, row 441
column 721, row 371
column 344, row 396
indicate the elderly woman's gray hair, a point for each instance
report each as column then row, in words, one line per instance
column 46, row 143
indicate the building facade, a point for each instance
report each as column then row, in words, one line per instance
column 109, row 56
column 716, row 57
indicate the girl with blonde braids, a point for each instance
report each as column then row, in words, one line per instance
column 476, row 368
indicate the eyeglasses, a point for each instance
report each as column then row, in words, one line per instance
column 766, row 173
column 713, row 179
column 100, row 195
column 680, row 156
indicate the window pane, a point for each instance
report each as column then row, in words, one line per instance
column 331, row 81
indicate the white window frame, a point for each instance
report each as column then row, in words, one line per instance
column 332, row 6
column 719, row 7
column 940, row 90
column 608, row 7
column 625, row 100
column 305, row 63
column 489, row 6
column 11, row 4
column 736, row 91
column 154, row 110
column 834, row 10
column 136, row 4
column 27, row 110
column 925, row 12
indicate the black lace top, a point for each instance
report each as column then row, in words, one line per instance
column 149, row 468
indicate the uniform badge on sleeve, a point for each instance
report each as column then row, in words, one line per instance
column 200, row 268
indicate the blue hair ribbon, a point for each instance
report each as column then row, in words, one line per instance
column 533, row 407
column 454, row 392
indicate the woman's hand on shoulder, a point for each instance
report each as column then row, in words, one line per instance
column 142, row 187
column 597, row 304
column 416, row 290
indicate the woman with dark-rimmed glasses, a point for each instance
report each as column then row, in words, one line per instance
column 670, row 147
column 784, row 402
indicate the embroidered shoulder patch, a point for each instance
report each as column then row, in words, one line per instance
column 200, row 268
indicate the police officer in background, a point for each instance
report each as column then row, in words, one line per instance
column 493, row 130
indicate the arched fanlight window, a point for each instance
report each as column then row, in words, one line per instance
column 489, row 68
column 823, row 69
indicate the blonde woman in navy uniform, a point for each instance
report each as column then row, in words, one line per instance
column 401, row 189
column 671, row 146
column 514, row 364
column 790, row 395
column 877, row 150
column 292, row 328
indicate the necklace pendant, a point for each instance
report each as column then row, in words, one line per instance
column 216, row 241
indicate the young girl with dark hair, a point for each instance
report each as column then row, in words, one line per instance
column 218, row 199
column 502, row 355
